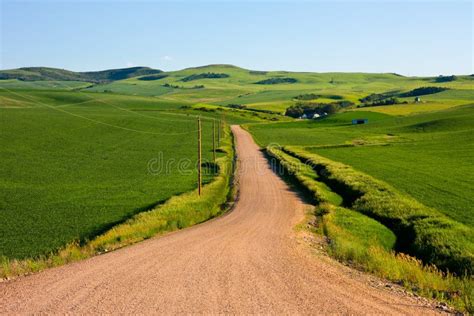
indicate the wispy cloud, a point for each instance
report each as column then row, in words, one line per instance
column 166, row 58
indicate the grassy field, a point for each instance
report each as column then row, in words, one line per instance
column 74, row 164
column 427, row 156
column 240, row 87
column 43, row 85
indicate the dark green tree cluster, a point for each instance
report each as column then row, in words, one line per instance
column 236, row 106
column 375, row 99
column 388, row 101
column 277, row 80
column 312, row 96
column 167, row 85
column 446, row 78
column 207, row 75
column 311, row 108
column 422, row 91
column 153, row 77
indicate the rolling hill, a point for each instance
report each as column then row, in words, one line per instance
column 54, row 74
column 224, row 85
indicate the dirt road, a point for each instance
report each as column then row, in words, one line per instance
column 248, row 261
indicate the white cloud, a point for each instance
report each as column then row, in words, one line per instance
column 167, row 58
column 130, row 64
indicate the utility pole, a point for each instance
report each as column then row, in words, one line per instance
column 199, row 156
column 219, row 133
column 214, row 140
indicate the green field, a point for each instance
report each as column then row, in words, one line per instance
column 427, row 155
column 74, row 164
column 240, row 88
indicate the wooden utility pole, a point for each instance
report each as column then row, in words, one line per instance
column 219, row 134
column 214, row 140
column 199, row 156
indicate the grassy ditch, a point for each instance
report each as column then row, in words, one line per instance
column 176, row 213
column 421, row 231
column 361, row 239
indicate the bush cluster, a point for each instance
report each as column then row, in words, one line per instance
column 376, row 99
column 207, row 75
column 422, row 91
column 312, row 96
column 446, row 78
column 311, row 108
column 277, row 80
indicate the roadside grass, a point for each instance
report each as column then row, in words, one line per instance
column 367, row 253
column 368, row 245
column 421, row 231
column 179, row 211
column 368, row 231
column 176, row 213
column 435, row 171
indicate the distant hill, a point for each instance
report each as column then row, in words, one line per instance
column 45, row 73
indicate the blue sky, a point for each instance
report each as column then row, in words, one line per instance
column 411, row 38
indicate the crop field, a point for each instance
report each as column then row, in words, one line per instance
column 43, row 85
column 74, row 164
column 427, row 155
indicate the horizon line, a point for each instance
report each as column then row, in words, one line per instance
column 235, row 66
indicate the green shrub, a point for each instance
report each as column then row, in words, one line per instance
column 277, row 81
column 208, row 75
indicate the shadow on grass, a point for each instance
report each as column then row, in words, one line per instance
column 301, row 191
column 106, row 227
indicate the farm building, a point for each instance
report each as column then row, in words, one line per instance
column 359, row 121
column 313, row 115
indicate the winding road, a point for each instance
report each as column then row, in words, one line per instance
column 250, row 260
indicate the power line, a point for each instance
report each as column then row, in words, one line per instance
column 116, row 106
column 28, row 97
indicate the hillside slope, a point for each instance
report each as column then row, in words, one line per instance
column 277, row 90
column 225, row 85
column 54, row 74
